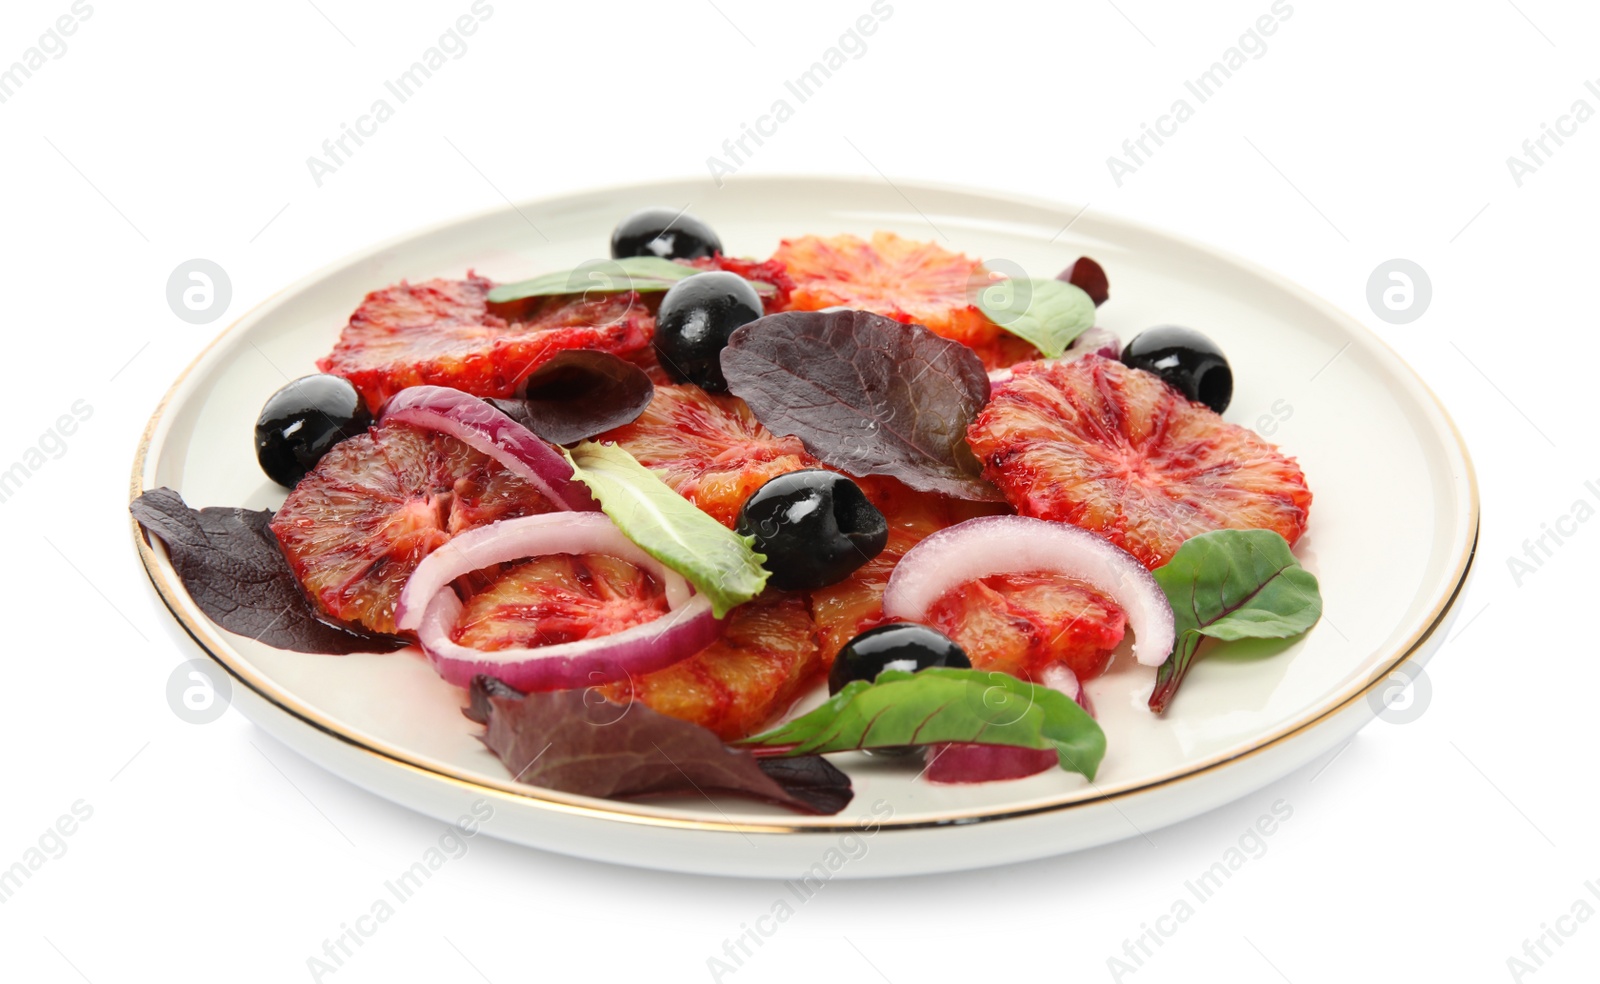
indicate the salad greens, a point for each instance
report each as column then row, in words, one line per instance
column 944, row 704
column 1232, row 584
column 644, row 274
column 866, row 394
column 719, row 562
column 578, row 741
column 231, row 565
column 578, row 394
column 1049, row 314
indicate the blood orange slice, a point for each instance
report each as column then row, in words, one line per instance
column 441, row 332
column 355, row 528
column 910, row 281
column 709, row 449
column 548, row 601
column 767, row 654
column 1119, row 452
column 1022, row 623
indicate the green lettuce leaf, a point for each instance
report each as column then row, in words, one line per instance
column 1048, row 314
column 719, row 562
column 644, row 274
column 944, row 704
column 1232, row 584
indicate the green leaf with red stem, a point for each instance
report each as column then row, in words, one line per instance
column 939, row 705
column 1232, row 584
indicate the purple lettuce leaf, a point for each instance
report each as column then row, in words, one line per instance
column 865, row 394
column 576, row 741
column 232, row 567
column 579, row 394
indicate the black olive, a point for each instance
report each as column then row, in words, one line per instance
column 303, row 421
column 898, row 646
column 669, row 233
column 1190, row 362
column 814, row 526
column 696, row 318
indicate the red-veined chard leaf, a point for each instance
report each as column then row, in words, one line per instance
column 939, row 705
column 1232, row 584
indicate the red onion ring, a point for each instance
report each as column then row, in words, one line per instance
column 964, row 762
column 476, row 423
column 1057, row 676
column 429, row 607
column 1021, row 545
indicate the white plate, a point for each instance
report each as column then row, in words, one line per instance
column 1391, row 537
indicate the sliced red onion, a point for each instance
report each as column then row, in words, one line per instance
column 1095, row 341
column 1058, row 676
column 963, row 762
column 476, row 423
column 429, row 607
column 992, row 545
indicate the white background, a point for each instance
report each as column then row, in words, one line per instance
column 1368, row 130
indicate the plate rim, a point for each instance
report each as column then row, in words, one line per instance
column 163, row 577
